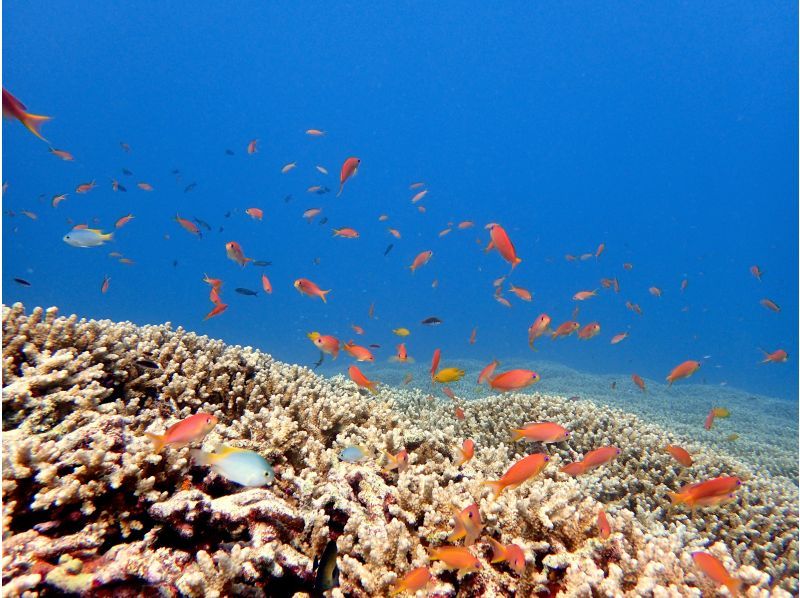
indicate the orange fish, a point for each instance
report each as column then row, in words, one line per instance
column 603, row 526
column 466, row 452
column 30, row 215
column 756, row 272
column 709, row 420
column 255, row 213
column 511, row 553
column 63, row 154
column 456, row 557
column 266, row 284
column 145, row 186
column 188, row 225
column 361, row 380
column 13, row 108
column 349, row 168
column 357, row 329
column 57, row 199
column 473, row 336
column 709, row 493
column 513, row 380
column 502, row 300
column 769, row 304
column 444, row 232
column 778, row 356
column 235, row 253
column 467, row 525
column 315, row 133
column 503, row 244
column 413, row 581
column 589, row 331
column 634, row 307
column 346, row 233
column 214, row 297
column 105, row 285
column 565, row 329
column 684, row 370
column 655, row 291
column 398, row 461
column 85, row 187
column 402, row 354
column 311, row 213
column 592, row 460
column 192, row 429
column 437, row 356
column 419, row 196
column 487, row 372
column 421, row 259
column 681, row 455
column 466, row 224
column 540, row 325
column 395, row 233
column 618, row 338
column 216, row 311
column 359, row 353
column 523, row 294
column 325, row 343
column 459, row 413
column 123, row 221
column 214, row 282
column 713, row 568
column 306, row 287
column 252, row 146
column 600, row 249
column 544, row 432
column 523, row 470
column 638, row 381
column 584, row 295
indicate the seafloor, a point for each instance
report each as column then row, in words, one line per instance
column 88, row 508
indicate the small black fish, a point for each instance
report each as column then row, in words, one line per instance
column 317, row 261
column 321, row 359
column 287, row 198
column 148, row 364
column 174, row 263
column 327, row 576
column 203, row 223
column 121, row 188
column 261, row 263
column 322, row 191
column 433, row 320
column 175, row 171
column 573, row 399
column 323, row 220
column 228, row 152
column 126, row 171
column 189, row 187
column 248, row 292
column 227, row 214
column 375, row 346
column 221, row 229
column 614, row 385
column 22, row 281
column 388, row 249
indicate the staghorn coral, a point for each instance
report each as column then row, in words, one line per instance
column 88, row 506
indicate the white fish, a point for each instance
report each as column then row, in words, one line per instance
column 322, row 169
column 87, row 237
column 288, row 167
column 238, row 465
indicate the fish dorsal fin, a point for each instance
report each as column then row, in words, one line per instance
column 96, row 231
column 224, row 451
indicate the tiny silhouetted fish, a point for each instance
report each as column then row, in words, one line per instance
column 317, row 261
column 261, row 263
column 433, row 320
column 126, row 171
column 174, row 263
column 373, row 346
column 322, row 191
column 189, row 187
column 388, row 249
column 221, row 229
column 573, row 399
column 248, row 292
column 148, row 364
column 327, row 576
column 121, row 188
column 22, row 281
column 203, row 223
column 175, row 171
column 287, row 198
column 321, row 359
column 228, row 152
column 323, row 220
column 227, row 214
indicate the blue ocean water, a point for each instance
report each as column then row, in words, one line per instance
column 666, row 131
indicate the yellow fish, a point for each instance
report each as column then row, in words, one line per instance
column 446, row 375
column 401, row 331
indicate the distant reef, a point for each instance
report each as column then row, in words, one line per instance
column 90, row 509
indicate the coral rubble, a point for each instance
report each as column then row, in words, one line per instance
column 88, row 507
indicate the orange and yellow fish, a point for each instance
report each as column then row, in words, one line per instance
column 13, row 108
column 565, row 329
column 680, row 454
column 467, row 524
column 192, row 429
column 683, row 370
column 510, row 553
column 398, row 461
column 466, row 452
column 235, row 253
column 306, row 287
column 713, row 568
column 456, row 557
column 540, row 326
column 544, row 432
column 325, row 343
column 513, row 380
column 521, row 471
column 413, row 581
column 503, row 244
column 357, row 376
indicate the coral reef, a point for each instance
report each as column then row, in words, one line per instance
column 88, row 507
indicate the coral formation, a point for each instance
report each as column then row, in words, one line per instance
column 89, row 506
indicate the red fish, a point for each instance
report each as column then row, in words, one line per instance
column 306, row 287
column 421, row 259
column 778, row 356
column 216, row 311
column 638, row 381
column 473, row 335
column 513, row 380
column 192, row 429
column 235, row 253
column 487, row 372
column 565, row 329
column 252, row 147
column 349, row 168
column 600, row 249
column 413, row 581
column 681, row 455
column 603, row 526
column 437, row 356
column 255, row 213
column 756, row 272
column 123, row 221
column 503, row 244
column 266, row 284
column 466, row 452
column 544, row 432
column 771, row 305
column 188, row 225
column 63, row 154
column 145, row 186
column 683, row 370
column 105, row 285
column 13, row 108
column 589, row 331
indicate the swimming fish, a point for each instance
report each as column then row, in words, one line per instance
column 240, row 466
column 87, row 237
column 349, row 168
column 708, row 493
column 513, row 380
column 401, row 331
column 603, row 526
column 402, row 355
column 540, row 325
column 447, row 375
column 261, row 264
column 618, row 338
column 466, row 452
column 188, row 225
column 592, row 460
column 756, row 272
column 413, row 581
column 218, row 309
column 288, row 167
column 255, row 213
column 388, row 249
column 189, row 187
column 544, row 432
column 353, row 453
column 521, row 471
column 419, row 196
column 192, row 429
column 565, row 329
column 63, row 154
column 327, row 571
column 147, row 364
column 655, row 291
column 306, row 287
column 144, row 186
column 22, row 282
column 511, row 553
column 357, row 376
column 683, row 370
column 85, row 187
column 589, row 331
column 13, row 108
column 523, row 294
column 778, row 356
column 473, row 335
column 246, row 292
column 771, row 305
column 235, row 253
column 437, row 356
column 467, row 524
column 123, row 221
column 346, row 233
column 105, row 285
column 638, row 381
column 487, row 372
column 325, row 343
column 421, row 259
column 432, row 321
column 398, row 461
column 681, row 455
column 266, row 284
column 315, row 133
column 456, row 557
column 57, row 199
column 501, row 242
column 252, row 147
column 713, row 568
column 584, row 295
column 359, row 353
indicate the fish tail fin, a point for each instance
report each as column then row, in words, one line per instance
column 516, row 261
column 498, row 551
column 734, row 586
column 372, row 388
column 674, row 498
column 516, row 435
column 107, row 236
column 158, row 441
column 341, row 188
column 33, row 122
column 201, row 457
column 496, row 485
column 322, row 295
